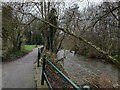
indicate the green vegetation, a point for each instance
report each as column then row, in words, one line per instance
column 28, row 48
column 11, row 55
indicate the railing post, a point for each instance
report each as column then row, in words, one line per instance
column 38, row 57
column 42, row 49
column 43, row 69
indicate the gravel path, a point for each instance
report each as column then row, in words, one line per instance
column 19, row 73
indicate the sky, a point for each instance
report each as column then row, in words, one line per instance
column 57, row 0
column 81, row 3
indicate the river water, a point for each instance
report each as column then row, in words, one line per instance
column 83, row 68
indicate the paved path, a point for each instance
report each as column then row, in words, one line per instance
column 20, row 73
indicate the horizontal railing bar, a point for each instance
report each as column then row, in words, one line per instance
column 65, row 77
column 48, row 83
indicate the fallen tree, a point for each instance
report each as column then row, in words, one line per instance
column 112, row 58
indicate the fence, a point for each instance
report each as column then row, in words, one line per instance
column 45, row 78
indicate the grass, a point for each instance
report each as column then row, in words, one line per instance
column 12, row 55
column 24, row 50
column 28, row 48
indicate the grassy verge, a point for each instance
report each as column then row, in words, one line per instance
column 28, row 48
column 12, row 55
column 24, row 50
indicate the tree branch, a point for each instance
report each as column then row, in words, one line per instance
column 105, row 15
column 114, row 60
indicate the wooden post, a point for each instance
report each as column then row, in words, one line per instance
column 43, row 69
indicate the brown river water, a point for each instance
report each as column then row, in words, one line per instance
column 83, row 68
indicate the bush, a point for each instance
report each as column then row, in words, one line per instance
column 12, row 54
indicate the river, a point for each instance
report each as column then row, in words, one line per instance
column 81, row 68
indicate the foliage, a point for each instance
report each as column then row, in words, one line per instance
column 12, row 29
column 12, row 55
column 28, row 48
column 97, row 28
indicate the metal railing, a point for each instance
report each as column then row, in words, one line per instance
column 45, row 78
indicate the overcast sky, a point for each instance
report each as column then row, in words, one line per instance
column 81, row 3
column 57, row 0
